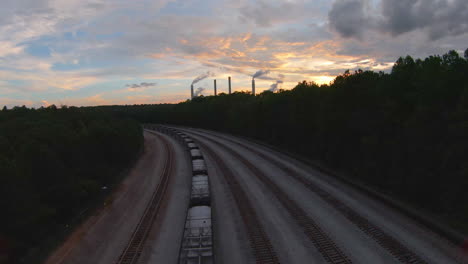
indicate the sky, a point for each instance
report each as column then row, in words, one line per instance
column 101, row 52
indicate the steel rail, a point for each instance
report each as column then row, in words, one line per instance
column 260, row 244
column 134, row 247
column 324, row 244
column 385, row 240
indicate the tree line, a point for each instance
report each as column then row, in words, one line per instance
column 54, row 163
column 404, row 132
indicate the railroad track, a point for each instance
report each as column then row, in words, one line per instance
column 259, row 242
column 132, row 251
column 324, row 244
column 385, row 240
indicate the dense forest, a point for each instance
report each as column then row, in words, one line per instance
column 404, row 132
column 54, row 163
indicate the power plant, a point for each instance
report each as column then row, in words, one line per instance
column 259, row 73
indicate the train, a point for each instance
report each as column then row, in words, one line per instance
column 197, row 246
column 197, row 243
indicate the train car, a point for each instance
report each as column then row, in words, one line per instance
column 200, row 194
column 196, row 154
column 199, row 166
column 188, row 140
column 197, row 245
column 192, row 146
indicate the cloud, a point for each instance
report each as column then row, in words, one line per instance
column 439, row 18
column 11, row 102
column 97, row 100
column 267, row 13
column 9, row 48
column 436, row 18
column 27, row 20
column 349, row 17
column 46, row 80
column 141, row 85
column 97, row 44
column 45, row 103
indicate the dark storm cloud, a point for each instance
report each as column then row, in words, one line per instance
column 348, row 18
column 437, row 18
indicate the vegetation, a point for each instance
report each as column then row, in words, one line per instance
column 54, row 163
column 404, row 131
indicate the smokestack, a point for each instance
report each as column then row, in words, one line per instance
column 215, row 87
column 229, row 81
column 191, row 91
column 253, row 86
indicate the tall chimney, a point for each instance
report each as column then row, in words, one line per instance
column 253, row 86
column 191, row 91
column 229, row 81
column 215, row 87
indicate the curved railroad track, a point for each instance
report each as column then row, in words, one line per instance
column 132, row 251
column 385, row 240
column 260, row 244
column 324, row 244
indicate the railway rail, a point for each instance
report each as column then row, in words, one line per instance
column 260, row 244
column 132, row 251
column 324, row 244
column 385, row 240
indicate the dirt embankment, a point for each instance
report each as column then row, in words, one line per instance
column 101, row 238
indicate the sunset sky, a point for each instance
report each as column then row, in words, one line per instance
column 78, row 52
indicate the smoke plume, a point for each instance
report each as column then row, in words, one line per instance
column 274, row 87
column 199, row 91
column 203, row 76
column 260, row 73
